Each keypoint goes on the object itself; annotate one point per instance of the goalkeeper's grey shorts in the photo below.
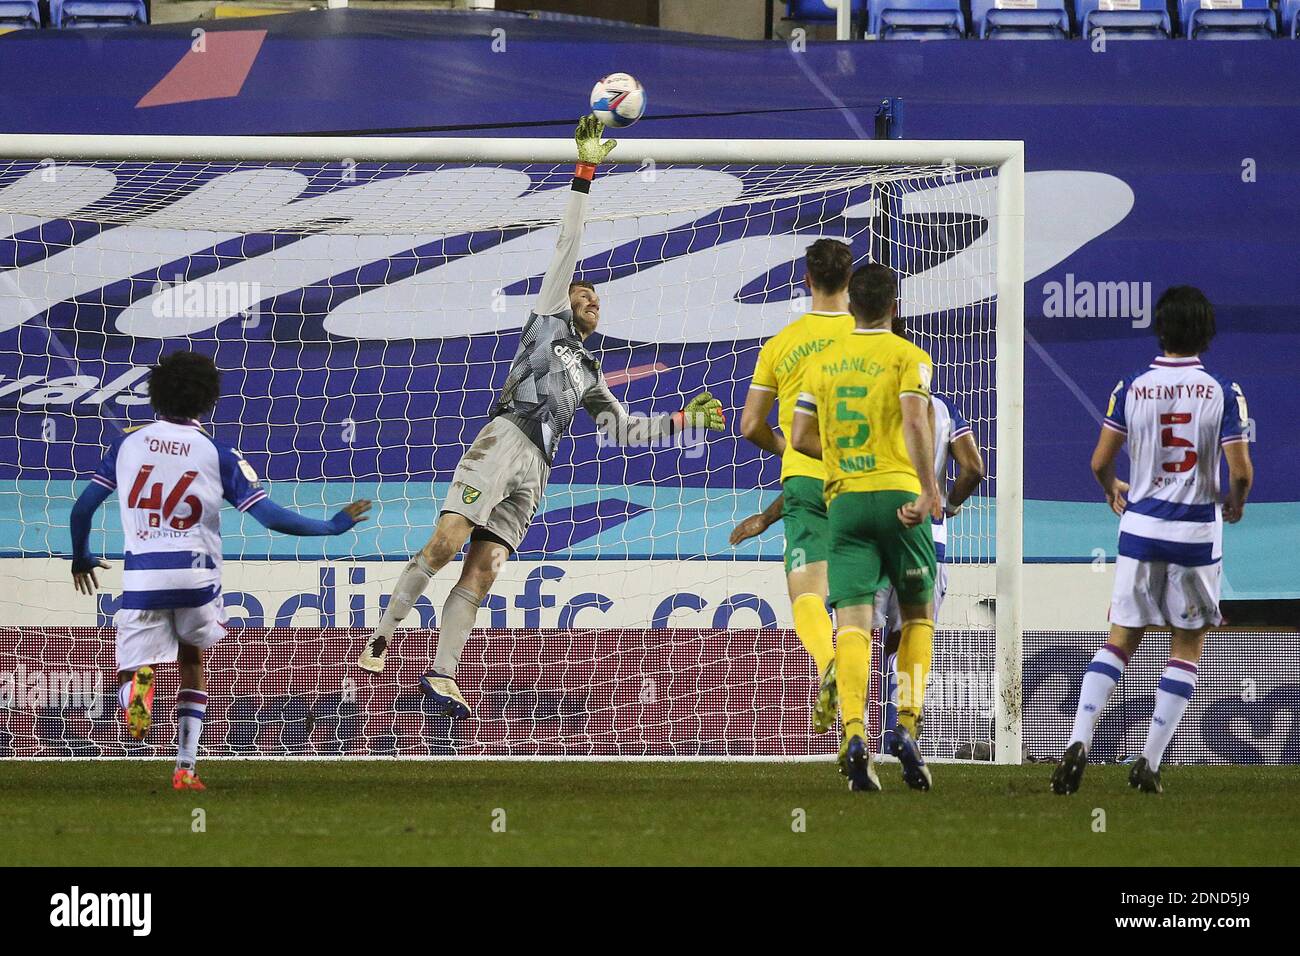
(499, 483)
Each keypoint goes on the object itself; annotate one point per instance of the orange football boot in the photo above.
(185, 779)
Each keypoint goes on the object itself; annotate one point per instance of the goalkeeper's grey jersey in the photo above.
(553, 373)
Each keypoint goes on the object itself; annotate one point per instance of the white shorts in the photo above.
(887, 617)
(1155, 594)
(154, 637)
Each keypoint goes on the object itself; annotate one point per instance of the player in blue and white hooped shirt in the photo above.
(954, 441)
(1177, 418)
(172, 478)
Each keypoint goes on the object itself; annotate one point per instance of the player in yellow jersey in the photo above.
(864, 410)
(777, 377)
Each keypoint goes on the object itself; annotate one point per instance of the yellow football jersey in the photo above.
(853, 387)
(780, 369)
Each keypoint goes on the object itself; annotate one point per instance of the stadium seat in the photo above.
(1020, 19)
(20, 14)
(1291, 18)
(1125, 19)
(97, 13)
(1228, 19)
(917, 19)
(817, 10)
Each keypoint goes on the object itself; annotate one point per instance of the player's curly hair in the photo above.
(829, 263)
(1184, 320)
(184, 385)
(872, 290)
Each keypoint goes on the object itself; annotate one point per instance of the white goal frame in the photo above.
(1006, 155)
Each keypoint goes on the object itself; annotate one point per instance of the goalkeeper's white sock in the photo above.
(1173, 694)
(457, 621)
(1103, 674)
(415, 578)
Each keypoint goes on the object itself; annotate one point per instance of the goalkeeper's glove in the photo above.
(703, 411)
(591, 151)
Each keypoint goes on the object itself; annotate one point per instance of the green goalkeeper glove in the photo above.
(703, 411)
(590, 149)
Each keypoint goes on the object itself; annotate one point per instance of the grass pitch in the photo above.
(443, 813)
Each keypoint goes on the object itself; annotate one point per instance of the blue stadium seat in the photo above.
(1291, 18)
(1020, 19)
(814, 10)
(917, 19)
(1218, 20)
(97, 13)
(1125, 19)
(20, 14)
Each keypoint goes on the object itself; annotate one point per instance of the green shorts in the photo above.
(804, 517)
(870, 550)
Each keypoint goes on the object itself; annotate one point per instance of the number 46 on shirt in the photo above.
(165, 506)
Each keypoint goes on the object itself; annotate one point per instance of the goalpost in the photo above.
(363, 298)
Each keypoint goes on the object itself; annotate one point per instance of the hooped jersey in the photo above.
(780, 369)
(949, 425)
(171, 479)
(1176, 417)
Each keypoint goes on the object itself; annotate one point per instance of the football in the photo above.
(618, 100)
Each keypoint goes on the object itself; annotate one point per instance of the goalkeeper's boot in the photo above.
(186, 779)
(915, 773)
(1143, 778)
(828, 702)
(1069, 772)
(372, 658)
(444, 693)
(139, 706)
(842, 761)
(859, 767)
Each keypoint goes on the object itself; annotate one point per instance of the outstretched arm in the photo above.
(621, 427)
(756, 524)
(84, 564)
(554, 295)
(276, 518)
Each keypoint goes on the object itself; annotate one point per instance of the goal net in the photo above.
(363, 300)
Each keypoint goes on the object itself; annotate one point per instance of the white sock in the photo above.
(124, 695)
(1100, 679)
(415, 578)
(191, 707)
(1173, 694)
(453, 629)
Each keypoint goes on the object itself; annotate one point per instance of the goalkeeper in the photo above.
(497, 487)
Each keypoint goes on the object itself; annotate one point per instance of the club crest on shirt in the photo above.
(470, 495)
(249, 473)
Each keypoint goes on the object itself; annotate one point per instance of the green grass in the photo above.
(441, 813)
